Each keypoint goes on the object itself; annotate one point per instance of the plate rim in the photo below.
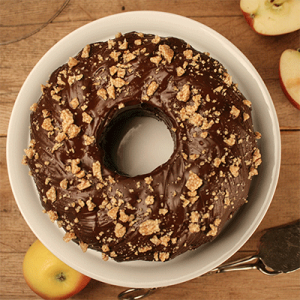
(264, 91)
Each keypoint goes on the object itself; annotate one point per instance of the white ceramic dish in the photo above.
(240, 228)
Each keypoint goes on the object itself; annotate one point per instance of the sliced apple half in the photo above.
(289, 74)
(272, 17)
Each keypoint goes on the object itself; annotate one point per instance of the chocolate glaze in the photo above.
(109, 215)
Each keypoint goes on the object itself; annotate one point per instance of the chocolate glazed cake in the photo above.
(180, 205)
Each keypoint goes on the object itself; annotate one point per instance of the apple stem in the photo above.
(61, 277)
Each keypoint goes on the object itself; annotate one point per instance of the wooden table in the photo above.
(20, 18)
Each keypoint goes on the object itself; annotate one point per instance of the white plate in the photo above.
(188, 265)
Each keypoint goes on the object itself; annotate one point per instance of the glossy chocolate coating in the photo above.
(154, 216)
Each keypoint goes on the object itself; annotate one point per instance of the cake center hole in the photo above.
(143, 144)
(136, 141)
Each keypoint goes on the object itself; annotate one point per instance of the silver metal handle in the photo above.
(135, 294)
(248, 263)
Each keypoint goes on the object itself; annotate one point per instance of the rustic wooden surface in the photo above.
(19, 18)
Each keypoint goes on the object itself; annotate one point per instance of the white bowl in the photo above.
(239, 229)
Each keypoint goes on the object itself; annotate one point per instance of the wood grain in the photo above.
(18, 18)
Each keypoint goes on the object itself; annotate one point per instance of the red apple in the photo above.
(272, 17)
(48, 276)
(289, 74)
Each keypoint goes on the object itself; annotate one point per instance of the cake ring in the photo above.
(180, 205)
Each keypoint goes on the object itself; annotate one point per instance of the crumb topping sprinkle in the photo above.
(176, 208)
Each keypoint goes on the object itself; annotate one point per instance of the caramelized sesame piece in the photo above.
(184, 93)
(149, 227)
(194, 182)
(86, 51)
(72, 62)
(120, 230)
(51, 194)
(166, 52)
(152, 88)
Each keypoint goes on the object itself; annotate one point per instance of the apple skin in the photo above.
(249, 19)
(289, 72)
(296, 104)
(271, 17)
(49, 277)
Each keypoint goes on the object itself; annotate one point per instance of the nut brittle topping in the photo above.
(181, 204)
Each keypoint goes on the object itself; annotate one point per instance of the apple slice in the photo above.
(272, 17)
(289, 74)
